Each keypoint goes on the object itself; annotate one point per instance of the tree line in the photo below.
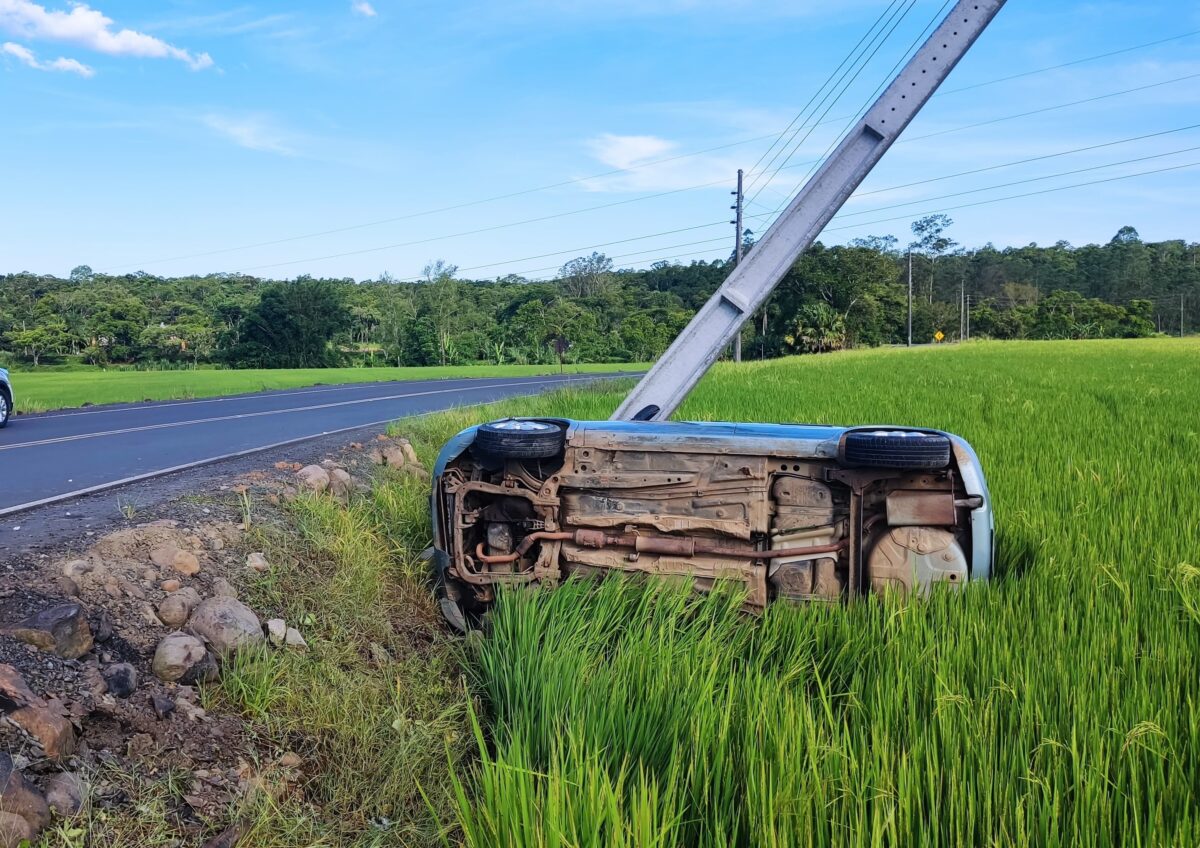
(833, 297)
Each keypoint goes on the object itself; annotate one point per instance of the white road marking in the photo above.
(172, 424)
(268, 394)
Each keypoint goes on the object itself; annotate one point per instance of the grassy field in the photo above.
(1059, 705)
(37, 392)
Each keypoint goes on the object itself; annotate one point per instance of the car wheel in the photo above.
(895, 449)
(520, 439)
(5, 407)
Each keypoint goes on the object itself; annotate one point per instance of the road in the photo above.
(50, 456)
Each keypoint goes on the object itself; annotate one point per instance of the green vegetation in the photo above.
(61, 389)
(834, 297)
(1059, 705)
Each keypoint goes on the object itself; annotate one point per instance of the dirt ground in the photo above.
(100, 553)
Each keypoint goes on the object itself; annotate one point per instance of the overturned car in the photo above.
(789, 512)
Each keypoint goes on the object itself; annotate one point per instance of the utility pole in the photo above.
(968, 317)
(910, 297)
(1181, 315)
(962, 308)
(737, 254)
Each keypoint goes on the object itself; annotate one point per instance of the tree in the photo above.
(291, 327)
(443, 304)
(82, 274)
(45, 337)
(930, 240)
(586, 276)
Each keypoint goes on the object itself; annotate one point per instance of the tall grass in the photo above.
(1057, 706)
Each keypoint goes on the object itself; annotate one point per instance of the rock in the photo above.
(223, 589)
(62, 629)
(276, 631)
(177, 655)
(417, 472)
(293, 639)
(67, 586)
(172, 556)
(410, 455)
(149, 575)
(228, 838)
(192, 711)
(48, 728)
(121, 679)
(392, 455)
(14, 831)
(227, 624)
(314, 478)
(65, 794)
(171, 585)
(186, 563)
(175, 609)
(163, 706)
(101, 624)
(290, 760)
(341, 484)
(14, 691)
(164, 556)
(76, 569)
(21, 799)
(258, 562)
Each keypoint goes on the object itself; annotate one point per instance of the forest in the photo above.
(834, 297)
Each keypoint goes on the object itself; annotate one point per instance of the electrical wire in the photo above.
(613, 172)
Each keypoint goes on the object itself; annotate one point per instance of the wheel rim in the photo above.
(3, 407)
(522, 426)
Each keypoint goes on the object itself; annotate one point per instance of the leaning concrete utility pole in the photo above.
(737, 256)
(747, 287)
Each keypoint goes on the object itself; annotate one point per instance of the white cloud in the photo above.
(27, 57)
(90, 28)
(362, 7)
(252, 132)
(641, 158)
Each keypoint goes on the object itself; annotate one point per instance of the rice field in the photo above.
(1057, 706)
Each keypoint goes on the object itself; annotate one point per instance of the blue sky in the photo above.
(188, 137)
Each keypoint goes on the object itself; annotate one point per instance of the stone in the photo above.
(227, 624)
(163, 706)
(164, 556)
(175, 609)
(121, 679)
(186, 563)
(290, 760)
(171, 585)
(293, 639)
(67, 586)
(416, 471)
(149, 575)
(76, 569)
(177, 654)
(341, 484)
(410, 455)
(48, 728)
(65, 794)
(258, 562)
(102, 626)
(222, 588)
(20, 798)
(14, 691)
(393, 455)
(63, 629)
(193, 712)
(14, 831)
(276, 631)
(314, 478)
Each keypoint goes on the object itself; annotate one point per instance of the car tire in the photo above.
(515, 438)
(895, 449)
(5, 408)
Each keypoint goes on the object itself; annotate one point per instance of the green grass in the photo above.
(37, 392)
(1057, 706)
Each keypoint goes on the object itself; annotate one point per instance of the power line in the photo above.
(554, 216)
(1055, 189)
(584, 248)
(630, 169)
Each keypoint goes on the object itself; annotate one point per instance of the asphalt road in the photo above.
(46, 457)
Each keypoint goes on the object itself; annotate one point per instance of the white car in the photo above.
(6, 398)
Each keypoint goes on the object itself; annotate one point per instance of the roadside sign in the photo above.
(939, 335)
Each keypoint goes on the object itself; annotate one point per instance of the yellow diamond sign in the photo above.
(939, 335)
